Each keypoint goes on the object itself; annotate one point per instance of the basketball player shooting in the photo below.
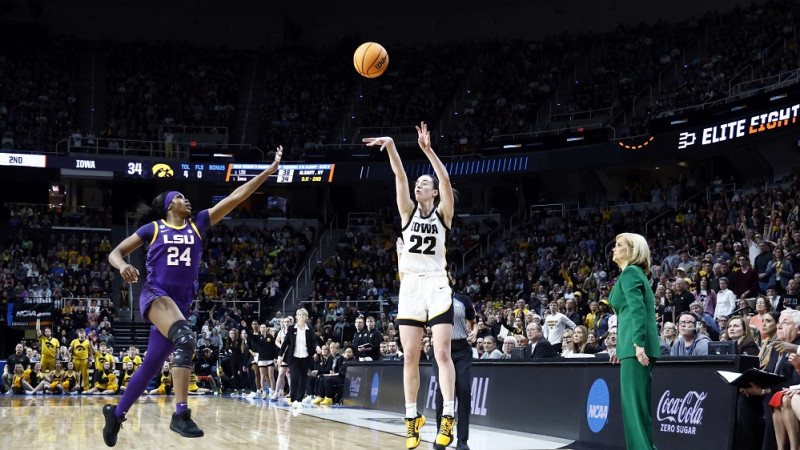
(425, 294)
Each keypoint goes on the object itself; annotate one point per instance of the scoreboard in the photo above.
(211, 172)
(287, 173)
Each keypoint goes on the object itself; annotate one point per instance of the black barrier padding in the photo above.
(693, 408)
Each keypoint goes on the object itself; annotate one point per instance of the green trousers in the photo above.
(635, 381)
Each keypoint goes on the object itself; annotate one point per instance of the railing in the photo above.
(59, 303)
(623, 208)
(149, 149)
(557, 207)
(362, 219)
(662, 72)
(771, 82)
(648, 88)
(255, 302)
(192, 129)
(739, 73)
(786, 79)
(249, 100)
(478, 247)
(305, 273)
(566, 115)
(647, 224)
(710, 190)
(535, 134)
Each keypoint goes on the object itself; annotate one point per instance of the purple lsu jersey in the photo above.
(173, 259)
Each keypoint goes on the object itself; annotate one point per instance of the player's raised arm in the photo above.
(446, 198)
(221, 209)
(404, 204)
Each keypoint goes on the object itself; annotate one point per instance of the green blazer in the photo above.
(633, 300)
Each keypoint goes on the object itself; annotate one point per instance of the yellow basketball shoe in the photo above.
(445, 436)
(412, 430)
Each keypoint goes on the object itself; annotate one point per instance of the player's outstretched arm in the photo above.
(404, 203)
(446, 198)
(240, 194)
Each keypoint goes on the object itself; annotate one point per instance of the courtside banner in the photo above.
(577, 400)
(24, 313)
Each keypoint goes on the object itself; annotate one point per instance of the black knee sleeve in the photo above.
(181, 334)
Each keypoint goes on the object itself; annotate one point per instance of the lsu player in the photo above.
(174, 243)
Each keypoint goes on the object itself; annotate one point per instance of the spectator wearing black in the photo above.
(683, 298)
(367, 341)
(107, 337)
(205, 361)
(745, 279)
(18, 357)
(232, 359)
(298, 350)
(322, 365)
(572, 313)
(762, 261)
(538, 346)
(334, 381)
(791, 298)
(267, 354)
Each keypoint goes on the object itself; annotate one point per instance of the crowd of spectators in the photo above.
(305, 97)
(39, 219)
(38, 98)
(493, 87)
(155, 89)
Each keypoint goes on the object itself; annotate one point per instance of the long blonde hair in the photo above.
(638, 250)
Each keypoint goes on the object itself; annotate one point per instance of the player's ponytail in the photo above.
(150, 213)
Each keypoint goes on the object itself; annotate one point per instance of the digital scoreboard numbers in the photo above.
(182, 171)
(286, 173)
(190, 171)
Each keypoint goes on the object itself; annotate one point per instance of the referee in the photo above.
(461, 352)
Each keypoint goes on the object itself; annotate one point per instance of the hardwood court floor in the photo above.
(68, 422)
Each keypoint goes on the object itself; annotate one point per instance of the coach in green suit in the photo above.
(637, 337)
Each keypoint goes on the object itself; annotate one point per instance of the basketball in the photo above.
(370, 59)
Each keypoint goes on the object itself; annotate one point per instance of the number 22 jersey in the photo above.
(424, 239)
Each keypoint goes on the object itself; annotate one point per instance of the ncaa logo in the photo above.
(373, 392)
(597, 405)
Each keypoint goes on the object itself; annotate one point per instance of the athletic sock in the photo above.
(181, 407)
(411, 410)
(448, 409)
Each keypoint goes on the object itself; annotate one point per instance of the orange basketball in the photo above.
(370, 59)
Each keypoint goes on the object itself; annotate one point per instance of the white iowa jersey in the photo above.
(424, 239)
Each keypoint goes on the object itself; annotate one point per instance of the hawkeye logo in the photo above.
(162, 171)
